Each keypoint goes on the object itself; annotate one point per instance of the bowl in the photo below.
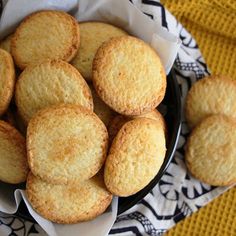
(171, 105)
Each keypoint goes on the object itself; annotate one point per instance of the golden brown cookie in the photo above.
(155, 115)
(66, 144)
(13, 160)
(209, 96)
(118, 121)
(12, 117)
(5, 44)
(45, 35)
(9, 117)
(67, 204)
(210, 153)
(128, 75)
(135, 157)
(7, 80)
(92, 35)
(20, 124)
(50, 83)
(115, 125)
(104, 112)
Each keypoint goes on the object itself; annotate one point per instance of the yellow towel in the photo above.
(213, 24)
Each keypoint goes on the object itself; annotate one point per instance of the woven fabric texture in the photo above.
(218, 218)
(213, 25)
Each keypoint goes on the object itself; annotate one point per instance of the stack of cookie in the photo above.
(211, 147)
(76, 81)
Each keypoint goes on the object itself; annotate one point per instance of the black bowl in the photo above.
(172, 103)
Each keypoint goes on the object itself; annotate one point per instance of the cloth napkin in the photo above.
(178, 194)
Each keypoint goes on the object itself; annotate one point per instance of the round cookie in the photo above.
(45, 35)
(67, 204)
(119, 121)
(92, 35)
(116, 124)
(7, 80)
(209, 96)
(20, 124)
(9, 117)
(135, 157)
(210, 153)
(5, 44)
(66, 144)
(50, 83)
(155, 115)
(13, 160)
(103, 111)
(128, 75)
(12, 117)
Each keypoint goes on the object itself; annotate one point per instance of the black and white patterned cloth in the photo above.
(178, 194)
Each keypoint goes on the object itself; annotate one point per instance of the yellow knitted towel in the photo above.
(213, 24)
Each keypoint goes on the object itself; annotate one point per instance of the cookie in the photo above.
(5, 44)
(135, 157)
(50, 83)
(12, 117)
(7, 80)
(116, 123)
(155, 115)
(209, 96)
(9, 117)
(20, 124)
(128, 75)
(45, 35)
(210, 152)
(13, 160)
(104, 112)
(92, 35)
(66, 144)
(67, 204)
